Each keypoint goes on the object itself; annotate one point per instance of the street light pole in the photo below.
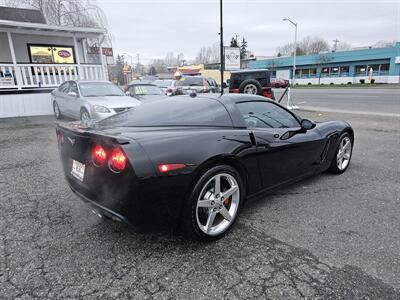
(295, 49)
(222, 58)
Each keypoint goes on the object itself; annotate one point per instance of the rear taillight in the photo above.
(204, 86)
(118, 160)
(99, 155)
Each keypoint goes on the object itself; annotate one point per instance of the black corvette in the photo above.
(191, 163)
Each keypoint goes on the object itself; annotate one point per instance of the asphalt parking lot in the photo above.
(329, 237)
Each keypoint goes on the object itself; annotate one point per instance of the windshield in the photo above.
(173, 112)
(163, 83)
(99, 89)
(190, 81)
(142, 90)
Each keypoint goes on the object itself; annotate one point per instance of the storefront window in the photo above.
(384, 69)
(344, 71)
(361, 70)
(47, 54)
(334, 71)
(325, 72)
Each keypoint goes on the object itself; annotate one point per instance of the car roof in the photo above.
(249, 71)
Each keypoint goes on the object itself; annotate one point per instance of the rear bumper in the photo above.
(102, 209)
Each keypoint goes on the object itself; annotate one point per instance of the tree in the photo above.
(384, 44)
(116, 71)
(322, 60)
(308, 45)
(243, 49)
(152, 70)
(234, 42)
(343, 46)
(79, 13)
(203, 56)
(159, 65)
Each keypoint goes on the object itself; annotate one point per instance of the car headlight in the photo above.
(101, 109)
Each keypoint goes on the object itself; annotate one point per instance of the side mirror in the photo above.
(307, 124)
(73, 94)
(128, 93)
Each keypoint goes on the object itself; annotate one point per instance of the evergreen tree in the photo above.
(243, 49)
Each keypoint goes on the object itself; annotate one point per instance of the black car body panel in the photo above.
(145, 197)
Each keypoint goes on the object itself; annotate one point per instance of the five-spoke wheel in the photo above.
(214, 205)
(342, 157)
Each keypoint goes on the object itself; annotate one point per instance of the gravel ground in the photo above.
(329, 237)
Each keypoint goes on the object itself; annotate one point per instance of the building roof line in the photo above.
(7, 24)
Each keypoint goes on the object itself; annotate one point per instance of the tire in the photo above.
(84, 115)
(250, 86)
(341, 159)
(208, 216)
(57, 111)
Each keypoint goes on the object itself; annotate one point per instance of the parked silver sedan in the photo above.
(90, 100)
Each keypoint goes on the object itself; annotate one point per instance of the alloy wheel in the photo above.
(250, 89)
(85, 116)
(218, 204)
(344, 153)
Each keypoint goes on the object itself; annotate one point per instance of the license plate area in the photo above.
(78, 170)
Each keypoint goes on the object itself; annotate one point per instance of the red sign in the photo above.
(64, 53)
(96, 50)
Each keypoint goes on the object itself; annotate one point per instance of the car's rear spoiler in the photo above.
(81, 129)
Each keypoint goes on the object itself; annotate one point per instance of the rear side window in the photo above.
(266, 115)
(180, 111)
(190, 81)
(64, 87)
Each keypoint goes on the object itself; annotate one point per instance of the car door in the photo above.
(60, 97)
(284, 152)
(72, 102)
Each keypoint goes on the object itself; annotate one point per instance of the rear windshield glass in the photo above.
(190, 81)
(173, 112)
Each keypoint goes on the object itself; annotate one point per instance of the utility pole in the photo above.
(336, 41)
(222, 56)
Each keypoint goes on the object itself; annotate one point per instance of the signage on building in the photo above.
(283, 74)
(7, 81)
(232, 58)
(107, 51)
(397, 60)
(127, 69)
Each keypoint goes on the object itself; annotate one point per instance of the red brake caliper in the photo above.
(226, 201)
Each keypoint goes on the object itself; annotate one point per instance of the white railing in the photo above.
(47, 75)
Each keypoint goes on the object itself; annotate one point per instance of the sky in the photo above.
(152, 28)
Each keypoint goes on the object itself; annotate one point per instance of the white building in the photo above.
(36, 57)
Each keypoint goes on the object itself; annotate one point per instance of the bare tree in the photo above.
(321, 61)
(203, 56)
(384, 44)
(343, 46)
(159, 65)
(308, 45)
(80, 13)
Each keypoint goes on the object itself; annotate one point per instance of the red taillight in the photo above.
(170, 167)
(204, 86)
(118, 160)
(99, 155)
